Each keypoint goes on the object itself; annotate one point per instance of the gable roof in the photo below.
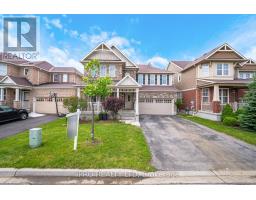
(66, 69)
(102, 48)
(11, 80)
(151, 69)
(127, 81)
(224, 47)
(181, 63)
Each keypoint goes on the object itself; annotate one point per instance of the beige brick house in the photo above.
(25, 84)
(209, 82)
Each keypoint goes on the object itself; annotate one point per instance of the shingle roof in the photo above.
(158, 88)
(21, 81)
(42, 65)
(56, 85)
(181, 63)
(150, 69)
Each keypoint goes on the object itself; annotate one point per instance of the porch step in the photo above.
(127, 115)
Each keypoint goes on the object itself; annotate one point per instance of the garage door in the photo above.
(158, 106)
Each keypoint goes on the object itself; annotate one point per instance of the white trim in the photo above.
(128, 77)
(188, 89)
(6, 77)
(227, 96)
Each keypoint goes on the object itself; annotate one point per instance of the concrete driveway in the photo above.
(178, 144)
(14, 127)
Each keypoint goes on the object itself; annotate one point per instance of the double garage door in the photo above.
(156, 106)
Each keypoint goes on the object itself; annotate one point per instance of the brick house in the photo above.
(25, 84)
(209, 82)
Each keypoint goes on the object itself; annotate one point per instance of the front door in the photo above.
(25, 99)
(128, 101)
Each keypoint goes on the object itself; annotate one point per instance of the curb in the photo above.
(117, 173)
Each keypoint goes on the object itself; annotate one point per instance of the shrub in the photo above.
(73, 103)
(227, 112)
(230, 121)
(178, 104)
(113, 104)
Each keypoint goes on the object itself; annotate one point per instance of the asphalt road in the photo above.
(14, 127)
(178, 144)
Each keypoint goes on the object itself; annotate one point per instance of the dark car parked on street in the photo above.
(7, 113)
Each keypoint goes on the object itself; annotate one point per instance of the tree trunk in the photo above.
(92, 130)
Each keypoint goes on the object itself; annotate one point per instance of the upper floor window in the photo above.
(246, 75)
(205, 95)
(164, 79)
(103, 70)
(140, 79)
(112, 70)
(26, 70)
(222, 69)
(65, 78)
(152, 79)
(3, 69)
(205, 70)
(56, 77)
(179, 77)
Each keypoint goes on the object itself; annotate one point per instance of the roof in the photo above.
(16, 81)
(181, 63)
(42, 65)
(11, 58)
(158, 88)
(233, 82)
(66, 69)
(151, 69)
(56, 85)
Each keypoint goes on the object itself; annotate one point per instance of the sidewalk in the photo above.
(122, 176)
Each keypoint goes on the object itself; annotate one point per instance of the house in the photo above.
(25, 84)
(217, 78)
(144, 88)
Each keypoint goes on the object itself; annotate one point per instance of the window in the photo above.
(222, 69)
(179, 77)
(164, 79)
(3, 69)
(103, 70)
(246, 75)
(152, 80)
(2, 94)
(56, 77)
(205, 95)
(224, 94)
(140, 79)
(65, 78)
(112, 70)
(205, 70)
(26, 70)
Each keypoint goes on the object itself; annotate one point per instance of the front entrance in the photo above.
(25, 99)
(129, 101)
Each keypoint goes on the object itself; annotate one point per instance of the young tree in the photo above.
(95, 86)
(248, 117)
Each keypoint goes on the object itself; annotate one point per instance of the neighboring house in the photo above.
(217, 78)
(144, 88)
(25, 84)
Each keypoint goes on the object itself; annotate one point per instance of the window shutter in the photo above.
(155, 79)
(168, 79)
(137, 79)
(148, 79)
(143, 79)
(161, 81)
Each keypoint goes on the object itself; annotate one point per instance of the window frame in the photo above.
(204, 96)
(63, 78)
(221, 96)
(26, 72)
(152, 77)
(179, 77)
(222, 69)
(59, 78)
(164, 75)
(3, 65)
(113, 67)
(105, 70)
(141, 76)
(3, 95)
(202, 70)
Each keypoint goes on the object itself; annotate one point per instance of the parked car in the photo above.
(7, 113)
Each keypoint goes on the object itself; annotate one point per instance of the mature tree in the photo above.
(95, 86)
(248, 117)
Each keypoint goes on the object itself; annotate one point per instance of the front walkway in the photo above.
(178, 144)
(15, 127)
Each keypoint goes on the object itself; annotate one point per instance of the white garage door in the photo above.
(157, 106)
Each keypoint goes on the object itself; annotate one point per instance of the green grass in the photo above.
(120, 146)
(249, 137)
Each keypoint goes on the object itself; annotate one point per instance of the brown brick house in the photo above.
(23, 82)
(209, 82)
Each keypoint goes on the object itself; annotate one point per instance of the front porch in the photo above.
(15, 97)
(212, 99)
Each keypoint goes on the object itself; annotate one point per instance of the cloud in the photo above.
(49, 23)
(158, 61)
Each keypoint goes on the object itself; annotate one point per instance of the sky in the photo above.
(155, 39)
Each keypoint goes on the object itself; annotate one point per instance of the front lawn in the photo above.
(249, 137)
(120, 146)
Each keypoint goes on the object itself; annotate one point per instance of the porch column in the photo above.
(216, 100)
(137, 102)
(117, 92)
(1, 94)
(78, 92)
(17, 94)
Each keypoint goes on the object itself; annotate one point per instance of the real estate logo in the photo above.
(21, 37)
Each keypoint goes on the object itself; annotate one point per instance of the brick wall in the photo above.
(188, 96)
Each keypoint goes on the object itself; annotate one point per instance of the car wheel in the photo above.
(23, 116)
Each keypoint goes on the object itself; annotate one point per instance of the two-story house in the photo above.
(25, 84)
(209, 82)
(144, 88)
